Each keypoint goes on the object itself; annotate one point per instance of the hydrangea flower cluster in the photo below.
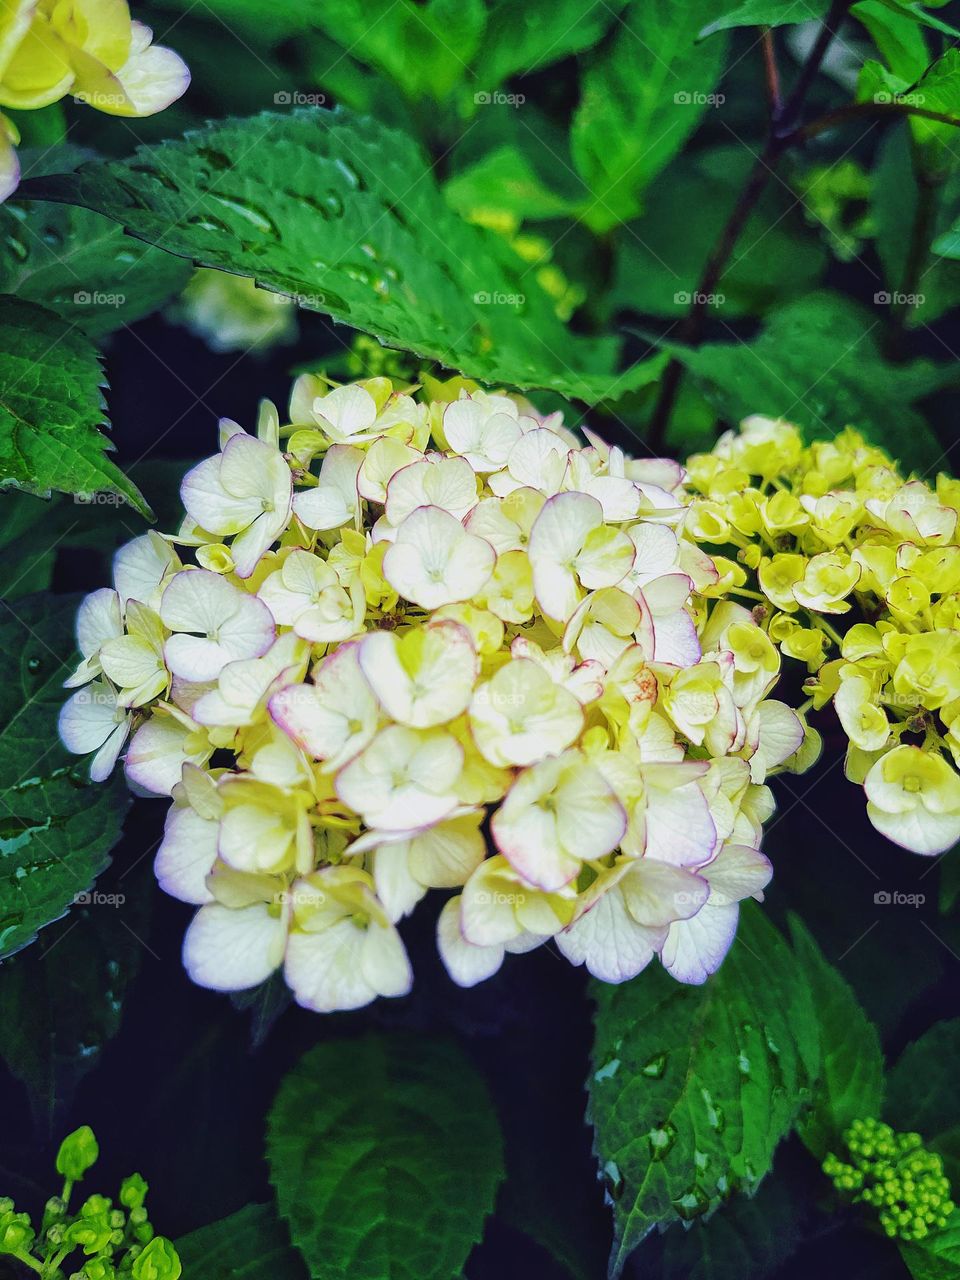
(893, 1173)
(404, 643)
(100, 1240)
(88, 48)
(858, 574)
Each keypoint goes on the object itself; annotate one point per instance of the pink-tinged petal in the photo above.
(609, 941)
(680, 828)
(465, 963)
(675, 639)
(657, 893)
(232, 950)
(737, 872)
(208, 503)
(98, 620)
(696, 948)
(781, 734)
(139, 566)
(103, 763)
(249, 546)
(157, 754)
(88, 718)
(186, 856)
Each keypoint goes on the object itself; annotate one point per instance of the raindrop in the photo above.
(351, 174)
(206, 223)
(612, 1179)
(608, 1070)
(34, 663)
(256, 216)
(692, 1203)
(156, 174)
(661, 1140)
(743, 1064)
(655, 1067)
(18, 248)
(701, 1160)
(715, 1116)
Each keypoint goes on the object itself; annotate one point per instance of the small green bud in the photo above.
(99, 1269)
(159, 1261)
(78, 1152)
(95, 1205)
(16, 1233)
(133, 1192)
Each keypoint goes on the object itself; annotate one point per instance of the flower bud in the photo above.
(78, 1152)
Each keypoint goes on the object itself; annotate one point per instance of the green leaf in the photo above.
(817, 362)
(894, 206)
(949, 881)
(61, 1003)
(281, 197)
(56, 828)
(526, 37)
(385, 1154)
(641, 99)
(693, 1087)
(268, 24)
(921, 1087)
(851, 1079)
(51, 407)
(767, 13)
(423, 48)
(920, 15)
(657, 270)
(937, 1257)
(746, 1238)
(504, 180)
(82, 266)
(897, 36)
(249, 1245)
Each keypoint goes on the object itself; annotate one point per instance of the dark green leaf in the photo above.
(525, 37)
(51, 407)
(281, 197)
(817, 362)
(385, 1154)
(949, 880)
(895, 203)
(897, 36)
(748, 1237)
(505, 181)
(767, 13)
(657, 270)
(82, 266)
(641, 99)
(61, 1002)
(921, 1088)
(56, 828)
(851, 1070)
(693, 1087)
(251, 1244)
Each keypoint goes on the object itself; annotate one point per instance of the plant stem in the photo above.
(783, 134)
(772, 72)
(868, 110)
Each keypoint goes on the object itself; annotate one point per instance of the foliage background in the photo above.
(627, 186)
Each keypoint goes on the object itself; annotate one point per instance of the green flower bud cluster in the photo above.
(99, 1241)
(894, 1174)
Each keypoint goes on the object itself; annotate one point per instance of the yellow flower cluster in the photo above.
(89, 48)
(856, 572)
(435, 643)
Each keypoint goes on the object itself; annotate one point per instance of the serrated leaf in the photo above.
(641, 98)
(56, 828)
(385, 1154)
(851, 1060)
(249, 1245)
(345, 215)
(921, 1087)
(693, 1087)
(817, 362)
(61, 1003)
(51, 408)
